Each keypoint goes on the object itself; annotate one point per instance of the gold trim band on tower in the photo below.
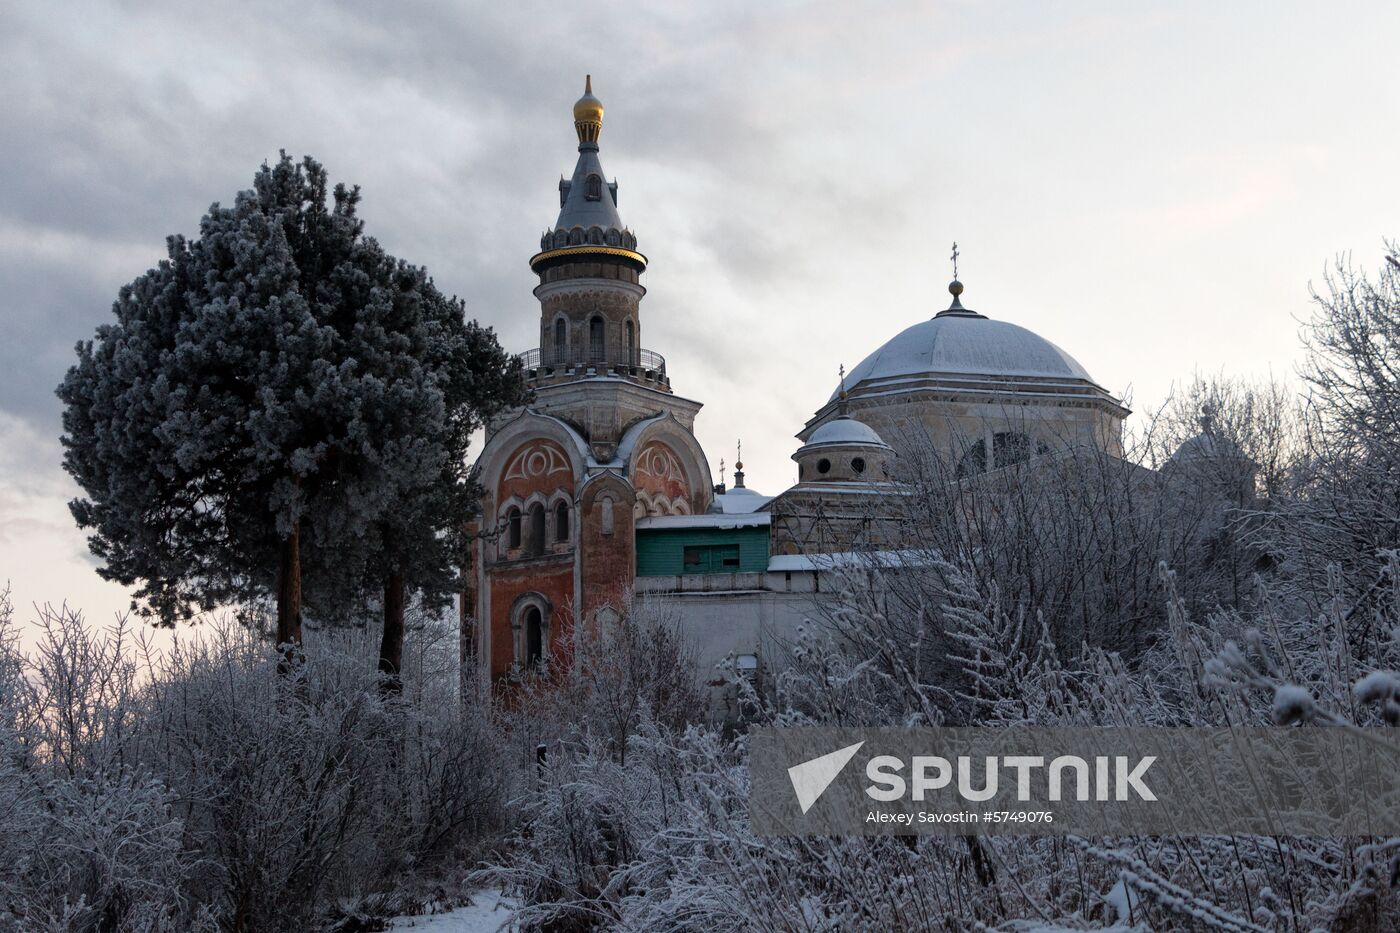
(580, 250)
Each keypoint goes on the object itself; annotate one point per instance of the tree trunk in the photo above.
(391, 645)
(289, 596)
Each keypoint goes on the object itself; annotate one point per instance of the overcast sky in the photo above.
(1150, 186)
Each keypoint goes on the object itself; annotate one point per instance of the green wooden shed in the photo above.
(674, 545)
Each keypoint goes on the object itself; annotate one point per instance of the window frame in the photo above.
(711, 558)
(514, 528)
(597, 339)
(536, 539)
(561, 340)
(561, 522)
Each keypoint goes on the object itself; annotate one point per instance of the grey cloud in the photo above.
(757, 146)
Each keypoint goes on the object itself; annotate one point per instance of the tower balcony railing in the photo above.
(646, 365)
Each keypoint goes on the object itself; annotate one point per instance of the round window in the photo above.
(823, 465)
(858, 464)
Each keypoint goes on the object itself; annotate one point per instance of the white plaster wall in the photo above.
(720, 625)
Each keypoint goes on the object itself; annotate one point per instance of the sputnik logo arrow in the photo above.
(811, 778)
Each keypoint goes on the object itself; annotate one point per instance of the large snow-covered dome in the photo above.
(966, 344)
(960, 379)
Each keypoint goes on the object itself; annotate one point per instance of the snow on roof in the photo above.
(741, 501)
(1208, 445)
(848, 559)
(709, 520)
(957, 344)
(851, 488)
(581, 445)
(845, 431)
(628, 441)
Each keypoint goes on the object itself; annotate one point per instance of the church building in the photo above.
(598, 491)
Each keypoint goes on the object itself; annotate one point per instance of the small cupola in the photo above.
(1212, 458)
(843, 450)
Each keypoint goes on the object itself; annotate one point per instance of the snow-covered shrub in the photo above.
(110, 856)
(92, 841)
(202, 789)
(576, 731)
(630, 666)
(658, 838)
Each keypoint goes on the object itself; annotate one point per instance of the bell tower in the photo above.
(604, 444)
(590, 291)
(590, 296)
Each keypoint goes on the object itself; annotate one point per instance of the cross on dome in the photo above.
(1207, 419)
(955, 288)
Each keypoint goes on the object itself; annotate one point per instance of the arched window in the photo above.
(1010, 447)
(606, 519)
(513, 528)
(631, 344)
(595, 340)
(974, 461)
(561, 341)
(594, 189)
(536, 541)
(534, 638)
(561, 521)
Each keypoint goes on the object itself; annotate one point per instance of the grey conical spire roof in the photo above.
(576, 208)
(582, 204)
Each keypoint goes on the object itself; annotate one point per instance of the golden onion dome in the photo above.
(588, 114)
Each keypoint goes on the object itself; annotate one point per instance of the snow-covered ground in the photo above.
(488, 912)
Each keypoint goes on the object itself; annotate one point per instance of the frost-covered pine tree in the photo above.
(418, 546)
(267, 394)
